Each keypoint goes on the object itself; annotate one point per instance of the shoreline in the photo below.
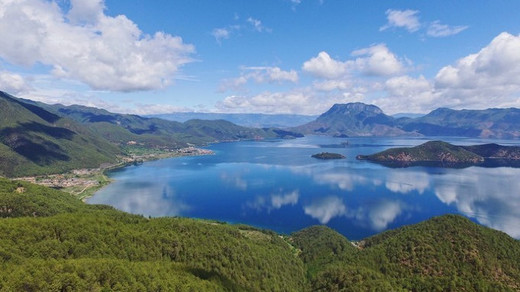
(83, 183)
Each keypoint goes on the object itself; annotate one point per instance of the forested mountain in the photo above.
(51, 241)
(154, 132)
(36, 141)
(358, 119)
(246, 120)
(37, 138)
(444, 154)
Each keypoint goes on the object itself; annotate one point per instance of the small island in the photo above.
(439, 153)
(328, 155)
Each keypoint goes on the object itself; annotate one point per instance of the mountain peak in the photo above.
(353, 108)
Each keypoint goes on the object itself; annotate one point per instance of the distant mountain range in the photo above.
(358, 119)
(38, 138)
(246, 120)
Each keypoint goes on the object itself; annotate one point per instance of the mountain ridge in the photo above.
(359, 119)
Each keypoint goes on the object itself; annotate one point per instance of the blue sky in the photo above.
(269, 56)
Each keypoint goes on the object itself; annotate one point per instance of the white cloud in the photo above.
(259, 75)
(257, 25)
(324, 66)
(298, 101)
(13, 83)
(437, 29)
(408, 94)
(487, 78)
(407, 19)
(107, 53)
(326, 208)
(86, 11)
(221, 34)
(377, 60)
(329, 85)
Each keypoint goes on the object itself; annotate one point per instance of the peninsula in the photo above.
(447, 155)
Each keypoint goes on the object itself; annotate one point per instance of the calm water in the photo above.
(277, 185)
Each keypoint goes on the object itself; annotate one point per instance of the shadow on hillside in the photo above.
(40, 112)
(32, 147)
(55, 132)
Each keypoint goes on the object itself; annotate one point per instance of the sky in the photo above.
(262, 56)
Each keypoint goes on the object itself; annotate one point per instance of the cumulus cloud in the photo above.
(259, 75)
(13, 83)
(408, 94)
(489, 77)
(104, 52)
(377, 60)
(324, 66)
(85, 11)
(326, 208)
(297, 101)
(437, 29)
(407, 19)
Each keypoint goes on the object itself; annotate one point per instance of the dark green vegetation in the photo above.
(50, 241)
(36, 141)
(328, 155)
(445, 154)
(37, 138)
(158, 133)
(447, 253)
(358, 119)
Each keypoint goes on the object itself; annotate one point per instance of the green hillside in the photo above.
(35, 141)
(429, 152)
(439, 153)
(49, 241)
(447, 253)
(159, 133)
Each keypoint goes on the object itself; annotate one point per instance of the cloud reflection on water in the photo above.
(274, 201)
(142, 198)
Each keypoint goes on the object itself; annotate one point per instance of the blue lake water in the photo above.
(279, 186)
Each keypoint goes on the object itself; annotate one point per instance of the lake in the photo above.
(279, 186)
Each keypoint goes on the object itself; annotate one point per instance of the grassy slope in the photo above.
(34, 141)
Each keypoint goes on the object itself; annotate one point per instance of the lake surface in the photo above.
(279, 186)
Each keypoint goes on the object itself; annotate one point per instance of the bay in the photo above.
(279, 186)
